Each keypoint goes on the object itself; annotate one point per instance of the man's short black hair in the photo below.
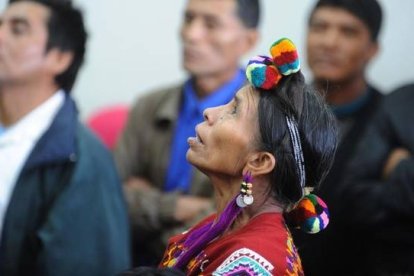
(249, 12)
(66, 32)
(369, 11)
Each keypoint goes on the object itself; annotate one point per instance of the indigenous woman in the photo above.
(262, 152)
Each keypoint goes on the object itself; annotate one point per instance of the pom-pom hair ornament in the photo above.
(311, 214)
(261, 72)
(285, 56)
(265, 72)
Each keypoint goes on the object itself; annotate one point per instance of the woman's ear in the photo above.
(260, 163)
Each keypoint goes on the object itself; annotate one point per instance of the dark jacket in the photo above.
(382, 210)
(66, 215)
(331, 252)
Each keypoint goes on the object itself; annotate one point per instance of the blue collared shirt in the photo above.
(2, 129)
(179, 171)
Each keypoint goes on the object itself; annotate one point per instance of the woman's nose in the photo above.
(206, 114)
(210, 114)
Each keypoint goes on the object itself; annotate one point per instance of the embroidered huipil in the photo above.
(262, 247)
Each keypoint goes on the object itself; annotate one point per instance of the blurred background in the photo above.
(134, 46)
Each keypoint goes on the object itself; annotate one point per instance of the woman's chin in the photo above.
(194, 160)
(191, 157)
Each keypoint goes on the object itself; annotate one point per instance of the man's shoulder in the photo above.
(89, 144)
(91, 151)
(398, 105)
(376, 94)
(163, 103)
(401, 94)
(161, 94)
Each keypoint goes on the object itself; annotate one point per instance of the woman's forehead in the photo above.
(248, 95)
(247, 92)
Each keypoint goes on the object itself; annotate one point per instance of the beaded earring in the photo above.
(245, 197)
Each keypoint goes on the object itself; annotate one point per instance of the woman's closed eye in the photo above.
(234, 109)
(234, 105)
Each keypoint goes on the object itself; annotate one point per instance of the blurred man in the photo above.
(61, 205)
(380, 192)
(342, 39)
(164, 193)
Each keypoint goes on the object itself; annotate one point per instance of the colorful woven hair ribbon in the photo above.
(265, 72)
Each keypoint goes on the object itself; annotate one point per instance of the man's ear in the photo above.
(372, 51)
(250, 40)
(59, 61)
(261, 163)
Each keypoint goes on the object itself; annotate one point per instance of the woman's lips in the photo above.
(195, 140)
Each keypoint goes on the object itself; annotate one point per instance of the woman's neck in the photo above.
(225, 191)
(250, 212)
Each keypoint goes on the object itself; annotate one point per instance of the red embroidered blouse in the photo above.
(264, 246)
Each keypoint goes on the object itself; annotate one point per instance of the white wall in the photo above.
(134, 45)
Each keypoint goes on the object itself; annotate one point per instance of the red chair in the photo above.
(108, 122)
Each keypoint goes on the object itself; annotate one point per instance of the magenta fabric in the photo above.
(108, 123)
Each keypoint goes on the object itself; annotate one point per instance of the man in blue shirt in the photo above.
(165, 194)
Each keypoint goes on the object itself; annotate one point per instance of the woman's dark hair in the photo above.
(317, 130)
(66, 32)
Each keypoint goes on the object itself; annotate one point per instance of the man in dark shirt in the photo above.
(342, 39)
(380, 192)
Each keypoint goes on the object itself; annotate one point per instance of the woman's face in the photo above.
(227, 136)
